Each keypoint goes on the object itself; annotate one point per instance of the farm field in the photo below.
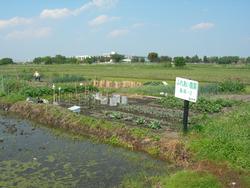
(140, 72)
(219, 123)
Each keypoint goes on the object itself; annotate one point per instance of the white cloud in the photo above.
(15, 22)
(203, 26)
(102, 19)
(118, 33)
(104, 3)
(137, 25)
(64, 12)
(30, 33)
(55, 13)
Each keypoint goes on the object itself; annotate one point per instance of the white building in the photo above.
(82, 57)
(127, 60)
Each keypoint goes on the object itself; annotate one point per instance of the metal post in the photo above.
(185, 116)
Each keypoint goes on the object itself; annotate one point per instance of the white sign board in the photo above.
(186, 89)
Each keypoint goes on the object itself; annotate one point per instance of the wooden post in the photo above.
(185, 116)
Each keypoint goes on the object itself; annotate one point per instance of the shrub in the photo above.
(68, 78)
(13, 85)
(167, 64)
(2, 93)
(30, 91)
(209, 89)
(231, 86)
(170, 102)
(179, 61)
(202, 105)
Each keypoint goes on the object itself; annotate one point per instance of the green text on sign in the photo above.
(186, 89)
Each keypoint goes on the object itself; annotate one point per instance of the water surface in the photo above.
(32, 155)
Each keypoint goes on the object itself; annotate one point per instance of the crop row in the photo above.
(136, 120)
(152, 111)
(202, 105)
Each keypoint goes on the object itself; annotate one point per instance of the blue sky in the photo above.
(134, 27)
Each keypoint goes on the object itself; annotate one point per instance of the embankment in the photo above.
(134, 138)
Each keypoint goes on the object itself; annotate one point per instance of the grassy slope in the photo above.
(202, 73)
(181, 179)
(225, 138)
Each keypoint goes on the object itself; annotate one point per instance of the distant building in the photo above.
(127, 60)
(82, 57)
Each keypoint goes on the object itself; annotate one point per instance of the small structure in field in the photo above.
(76, 109)
(104, 100)
(112, 101)
(117, 98)
(124, 100)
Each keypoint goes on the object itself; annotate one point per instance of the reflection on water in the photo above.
(35, 156)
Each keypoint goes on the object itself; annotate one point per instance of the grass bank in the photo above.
(140, 139)
(224, 138)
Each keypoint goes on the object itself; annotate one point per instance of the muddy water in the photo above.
(35, 156)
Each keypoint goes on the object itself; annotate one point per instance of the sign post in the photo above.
(185, 116)
(188, 91)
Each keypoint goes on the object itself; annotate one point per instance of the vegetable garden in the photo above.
(152, 118)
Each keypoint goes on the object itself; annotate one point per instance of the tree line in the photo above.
(152, 57)
(59, 59)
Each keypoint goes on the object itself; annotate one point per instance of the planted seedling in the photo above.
(115, 115)
(140, 121)
(154, 124)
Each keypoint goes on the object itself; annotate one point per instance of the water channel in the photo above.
(32, 155)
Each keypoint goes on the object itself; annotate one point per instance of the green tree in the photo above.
(188, 59)
(248, 60)
(135, 59)
(228, 59)
(59, 59)
(153, 57)
(47, 60)
(117, 57)
(88, 60)
(165, 59)
(195, 59)
(38, 60)
(179, 61)
(213, 59)
(142, 59)
(6, 61)
(205, 59)
(71, 60)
